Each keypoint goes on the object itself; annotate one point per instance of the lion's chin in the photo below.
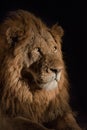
(49, 86)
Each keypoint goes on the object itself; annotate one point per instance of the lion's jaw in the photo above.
(49, 82)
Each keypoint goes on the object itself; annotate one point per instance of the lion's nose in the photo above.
(57, 73)
(56, 70)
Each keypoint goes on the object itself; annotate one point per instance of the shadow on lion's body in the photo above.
(30, 54)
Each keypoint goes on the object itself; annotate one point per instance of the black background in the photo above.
(72, 17)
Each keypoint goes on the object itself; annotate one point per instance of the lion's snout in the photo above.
(56, 70)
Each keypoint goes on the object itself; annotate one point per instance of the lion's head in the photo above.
(31, 64)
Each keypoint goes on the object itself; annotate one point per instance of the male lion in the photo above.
(33, 79)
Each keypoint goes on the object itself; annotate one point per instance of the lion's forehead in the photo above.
(44, 41)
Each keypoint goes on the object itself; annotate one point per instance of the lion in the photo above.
(34, 84)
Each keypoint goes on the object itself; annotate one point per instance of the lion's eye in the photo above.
(55, 48)
(37, 49)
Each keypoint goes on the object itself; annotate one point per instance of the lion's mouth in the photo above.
(48, 85)
(38, 84)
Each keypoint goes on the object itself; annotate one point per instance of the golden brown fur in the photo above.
(31, 90)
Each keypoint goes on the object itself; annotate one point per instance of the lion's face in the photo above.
(43, 65)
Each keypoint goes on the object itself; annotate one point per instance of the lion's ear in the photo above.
(58, 30)
(14, 35)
